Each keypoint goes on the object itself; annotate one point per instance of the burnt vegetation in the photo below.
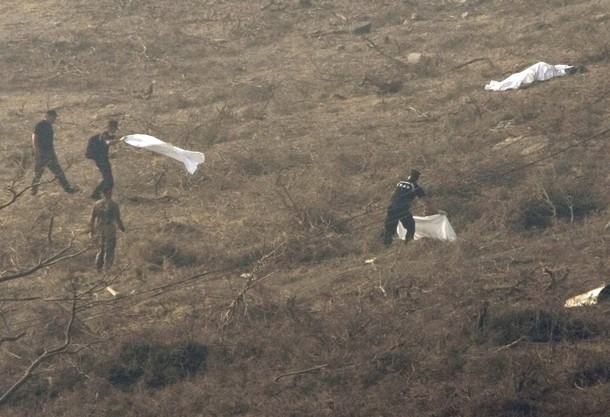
(259, 286)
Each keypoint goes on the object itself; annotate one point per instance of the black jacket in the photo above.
(405, 193)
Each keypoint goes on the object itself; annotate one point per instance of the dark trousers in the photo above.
(396, 214)
(105, 255)
(48, 161)
(107, 179)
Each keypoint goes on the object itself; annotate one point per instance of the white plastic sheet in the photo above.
(190, 159)
(589, 298)
(434, 227)
(540, 71)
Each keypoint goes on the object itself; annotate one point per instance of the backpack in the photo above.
(90, 153)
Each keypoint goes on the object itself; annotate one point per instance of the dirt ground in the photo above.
(308, 112)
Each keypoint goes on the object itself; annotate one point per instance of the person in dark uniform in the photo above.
(97, 150)
(105, 218)
(44, 153)
(399, 208)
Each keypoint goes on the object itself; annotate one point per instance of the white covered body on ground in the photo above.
(540, 71)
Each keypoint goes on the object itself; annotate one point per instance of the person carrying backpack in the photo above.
(399, 208)
(97, 150)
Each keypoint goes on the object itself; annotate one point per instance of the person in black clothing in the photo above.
(97, 150)
(44, 153)
(399, 208)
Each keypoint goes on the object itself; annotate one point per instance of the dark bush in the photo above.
(158, 252)
(594, 369)
(534, 214)
(571, 202)
(158, 365)
(507, 408)
(536, 326)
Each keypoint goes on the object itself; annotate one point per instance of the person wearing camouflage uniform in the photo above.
(105, 218)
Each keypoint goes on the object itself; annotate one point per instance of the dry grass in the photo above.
(242, 290)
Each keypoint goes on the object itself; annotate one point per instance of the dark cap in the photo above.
(113, 124)
(51, 113)
(414, 175)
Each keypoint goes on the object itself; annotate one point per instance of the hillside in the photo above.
(259, 286)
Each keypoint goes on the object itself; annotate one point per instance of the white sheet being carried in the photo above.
(190, 159)
(435, 227)
(540, 71)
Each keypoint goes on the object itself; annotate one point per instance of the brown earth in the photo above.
(258, 259)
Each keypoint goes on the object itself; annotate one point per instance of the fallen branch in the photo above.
(319, 33)
(511, 344)
(304, 371)
(11, 338)
(472, 61)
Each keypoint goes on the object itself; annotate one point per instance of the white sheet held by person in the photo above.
(436, 226)
(190, 159)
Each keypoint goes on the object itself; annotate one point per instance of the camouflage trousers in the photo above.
(105, 254)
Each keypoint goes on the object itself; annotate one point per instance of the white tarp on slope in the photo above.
(190, 159)
(435, 227)
(540, 71)
(589, 298)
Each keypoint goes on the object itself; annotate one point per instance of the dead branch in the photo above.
(274, 6)
(375, 358)
(51, 260)
(11, 338)
(511, 344)
(301, 214)
(554, 280)
(382, 52)
(50, 231)
(304, 371)
(239, 300)
(320, 33)
(15, 194)
(548, 200)
(472, 61)
(64, 348)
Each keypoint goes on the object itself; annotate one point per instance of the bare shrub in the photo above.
(160, 251)
(537, 326)
(303, 252)
(570, 201)
(350, 164)
(593, 368)
(395, 362)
